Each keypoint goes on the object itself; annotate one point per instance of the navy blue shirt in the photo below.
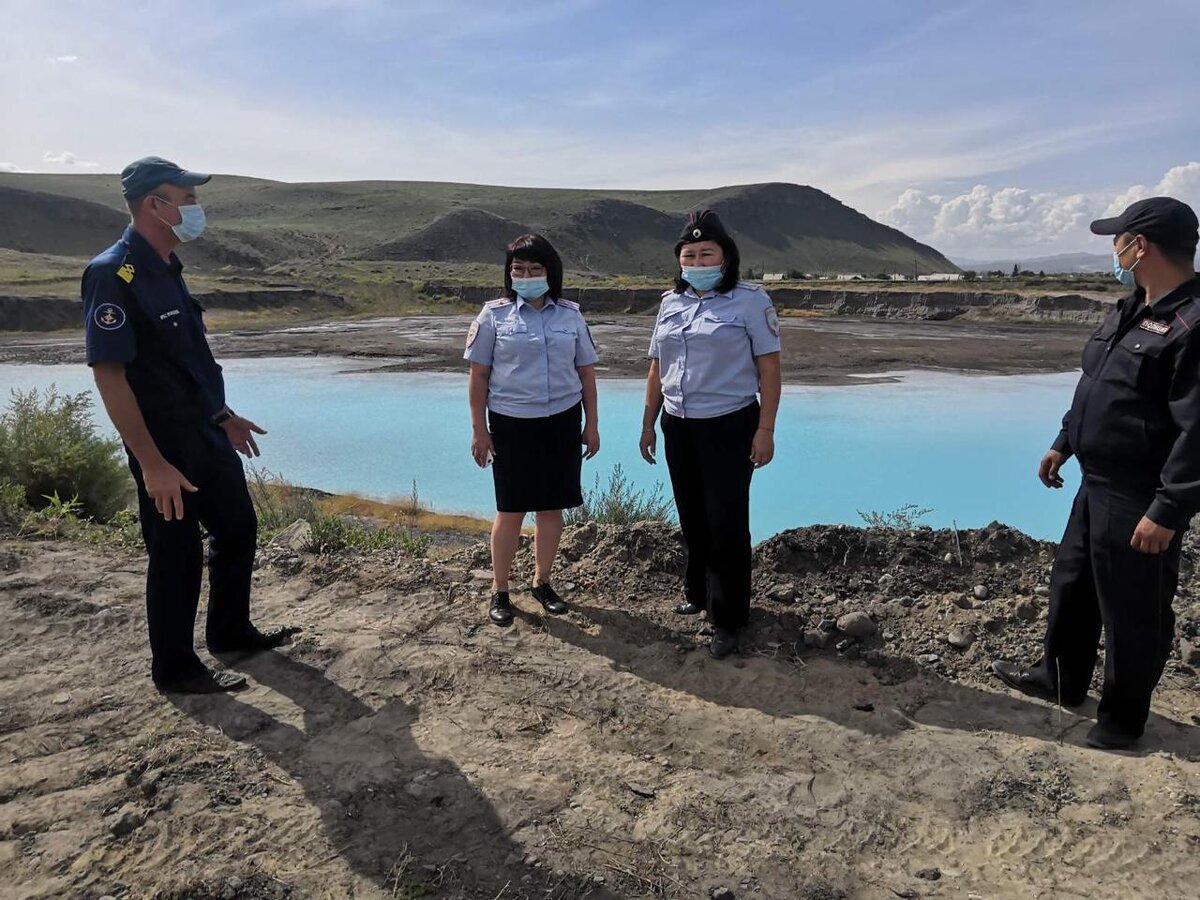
(137, 311)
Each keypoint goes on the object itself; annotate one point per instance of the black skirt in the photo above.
(538, 461)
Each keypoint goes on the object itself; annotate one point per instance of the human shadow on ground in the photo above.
(390, 809)
(634, 642)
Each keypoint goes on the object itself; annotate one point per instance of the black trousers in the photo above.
(709, 462)
(222, 506)
(1100, 583)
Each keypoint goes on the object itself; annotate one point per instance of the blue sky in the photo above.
(984, 128)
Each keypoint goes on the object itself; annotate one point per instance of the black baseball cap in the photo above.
(142, 176)
(1161, 220)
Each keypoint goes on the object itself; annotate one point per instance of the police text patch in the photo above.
(1154, 327)
(109, 316)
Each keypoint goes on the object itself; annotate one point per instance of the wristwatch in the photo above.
(223, 416)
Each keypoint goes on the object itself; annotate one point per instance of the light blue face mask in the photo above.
(191, 223)
(1122, 274)
(531, 288)
(702, 278)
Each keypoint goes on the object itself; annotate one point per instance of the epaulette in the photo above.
(569, 304)
(1189, 315)
(496, 304)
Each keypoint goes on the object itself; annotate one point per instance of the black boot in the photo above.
(544, 594)
(500, 611)
(724, 642)
(1035, 682)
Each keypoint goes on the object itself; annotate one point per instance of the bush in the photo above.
(906, 518)
(12, 503)
(49, 446)
(619, 503)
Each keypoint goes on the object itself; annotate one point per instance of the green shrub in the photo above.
(619, 503)
(906, 518)
(12, 503)
(50, 447)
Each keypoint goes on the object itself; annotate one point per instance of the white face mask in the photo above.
(191, 220)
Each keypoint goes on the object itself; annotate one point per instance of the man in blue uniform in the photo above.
(165, 394)
(1134, 426)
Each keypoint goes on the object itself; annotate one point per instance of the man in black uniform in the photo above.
(1134, 426)
(165, 394)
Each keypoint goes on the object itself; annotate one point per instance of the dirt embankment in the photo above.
(403, 747)
(57, 313)
(932, 305)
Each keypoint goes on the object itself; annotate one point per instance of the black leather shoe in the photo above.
(500, 611)
(1106, 737)
(206, 683)
(1031, 681)
(723, 643)
(688, 608)
(545, 595)
(255, 641)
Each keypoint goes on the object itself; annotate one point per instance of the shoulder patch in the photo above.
(772, 320)
(108, 316)
(472, 334)
(496, 304)
(569, 304)
(125, 273)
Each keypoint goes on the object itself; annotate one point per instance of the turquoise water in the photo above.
(966, 447)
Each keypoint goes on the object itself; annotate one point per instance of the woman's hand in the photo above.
(481, 447)
(762, 450)
(649, 445)
(591, 440)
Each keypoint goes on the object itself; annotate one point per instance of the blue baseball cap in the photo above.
(142, 176)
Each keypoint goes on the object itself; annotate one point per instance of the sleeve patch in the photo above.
(472, 334)
(772, 320)
(109, 316)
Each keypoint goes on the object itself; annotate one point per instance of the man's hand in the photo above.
(165, 485)
(1048, 470)
(591, 440)
(240, 432)
(482, 447)
(1149, 537)
(649, 445)
(762, 448)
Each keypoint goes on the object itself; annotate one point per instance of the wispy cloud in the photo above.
(8, 167)
(67, 158)
(61, 60)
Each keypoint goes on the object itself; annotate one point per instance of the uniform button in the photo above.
(1137, 346)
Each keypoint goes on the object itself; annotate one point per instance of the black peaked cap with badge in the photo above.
(704, 225)
(1161, 220)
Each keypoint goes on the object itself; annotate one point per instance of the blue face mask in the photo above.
(531, 288)
(191, 222)
(1122, 274)
(702, 278)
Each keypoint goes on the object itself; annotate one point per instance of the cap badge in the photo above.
(696, 232)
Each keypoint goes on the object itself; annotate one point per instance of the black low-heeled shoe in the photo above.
(255, 641)
(688, 608)
(500, 612)
(551, 602)
(214, 682)
(724, 642)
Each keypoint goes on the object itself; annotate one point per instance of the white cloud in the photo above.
(8, 167)
(61, 60)
(67, 158)
(1002, 220)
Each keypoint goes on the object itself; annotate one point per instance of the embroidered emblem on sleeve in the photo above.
(109, 316)
(772, 320)
(472, 334)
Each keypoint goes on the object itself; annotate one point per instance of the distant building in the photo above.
(941, 276)
(897, 277)
(773, 276)
(851, 277)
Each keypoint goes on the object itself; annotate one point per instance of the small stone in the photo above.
(888, 636)
(929, 659)
(1189, 652)
(930, 874)
(907, 602)
(828, 625)
(960, 639)
(783, 593)
(948, 558)
(875, 658)
(126, 823)
(641, 790)
(886, 579)
(819, 640)
(962, 601)
(857, 625)
(531, 860)
(1027, 610)
(980, 592)
(829, 599)
(598, 878)
(481, 574)
(150, 782)
(1042, 590)
(721, 893)
(60, 699)
(297, 537)
(844, 645)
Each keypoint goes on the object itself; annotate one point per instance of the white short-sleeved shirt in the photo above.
(706, 348)
(534, 355)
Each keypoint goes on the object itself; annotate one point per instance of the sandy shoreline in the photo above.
(816, 350)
